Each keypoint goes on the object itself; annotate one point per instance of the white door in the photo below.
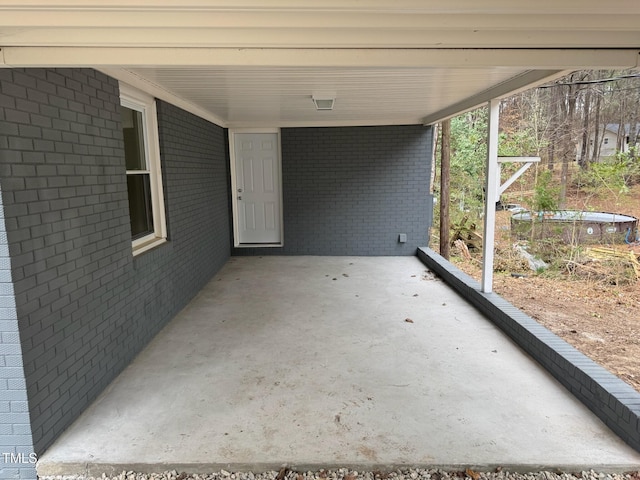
(257, 188)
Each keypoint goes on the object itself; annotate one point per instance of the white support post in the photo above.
(491, 190)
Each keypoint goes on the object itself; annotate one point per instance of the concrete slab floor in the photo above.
(311, 362)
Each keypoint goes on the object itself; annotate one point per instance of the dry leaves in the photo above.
(571, 304)
(473, 474)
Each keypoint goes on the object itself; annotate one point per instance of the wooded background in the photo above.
(563, 123)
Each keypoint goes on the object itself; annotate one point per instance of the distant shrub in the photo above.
(615, 175)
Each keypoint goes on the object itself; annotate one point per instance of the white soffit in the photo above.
(281, 96)
(245, 63)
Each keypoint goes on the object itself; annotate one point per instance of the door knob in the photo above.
(239, 197)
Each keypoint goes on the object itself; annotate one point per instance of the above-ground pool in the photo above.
(576, 227)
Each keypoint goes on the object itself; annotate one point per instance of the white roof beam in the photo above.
(515, 85)
(408, 6)
(526, 59)
(301, 37)
(202, 18)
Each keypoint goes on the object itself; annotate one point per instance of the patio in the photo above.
(317, 362)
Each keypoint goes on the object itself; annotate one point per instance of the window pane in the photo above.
(132, 128)
(140, 205)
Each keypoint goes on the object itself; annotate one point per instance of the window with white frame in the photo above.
(144, 178)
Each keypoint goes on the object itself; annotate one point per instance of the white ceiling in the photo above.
(259, 96)
(249, 63)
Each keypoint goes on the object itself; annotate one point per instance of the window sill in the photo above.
(147, 245)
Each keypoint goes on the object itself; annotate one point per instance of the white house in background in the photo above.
(609, 140)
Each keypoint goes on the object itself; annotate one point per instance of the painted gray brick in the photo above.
(13, 360)
(37, 95)
(27, 106)
(16, 384)
(13, 392)
(13, 89)
(23, 80)
(82, 290)
(10, 472)
(341, 195)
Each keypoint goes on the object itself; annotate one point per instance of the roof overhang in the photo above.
(258, 63)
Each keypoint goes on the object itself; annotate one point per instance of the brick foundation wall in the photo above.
(616, 403)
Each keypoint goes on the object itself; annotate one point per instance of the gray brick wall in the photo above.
(16, 444)
(352, 190)
(616, 403)
(85, 306)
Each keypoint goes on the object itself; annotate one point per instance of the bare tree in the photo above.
(444, 188)
(568, 109)
(586, 127)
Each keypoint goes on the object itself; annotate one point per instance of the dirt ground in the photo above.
(591, 312)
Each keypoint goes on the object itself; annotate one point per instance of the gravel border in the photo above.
(346, 474)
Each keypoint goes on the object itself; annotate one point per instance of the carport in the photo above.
(82, 296)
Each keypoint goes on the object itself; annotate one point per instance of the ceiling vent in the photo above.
(323, 102)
